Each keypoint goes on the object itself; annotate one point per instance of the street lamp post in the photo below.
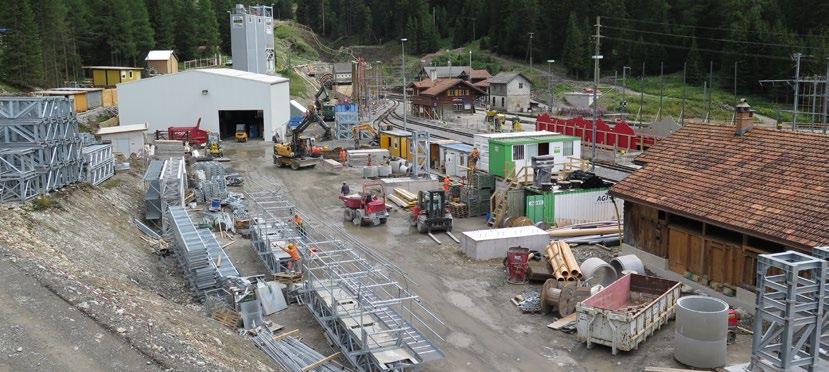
(403, 73)
(550, 82)
(470, 61)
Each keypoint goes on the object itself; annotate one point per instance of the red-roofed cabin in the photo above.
(443, 97)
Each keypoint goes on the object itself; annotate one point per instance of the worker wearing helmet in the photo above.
(292, 250)
(298, 223)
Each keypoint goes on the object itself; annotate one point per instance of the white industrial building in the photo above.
(222, 98)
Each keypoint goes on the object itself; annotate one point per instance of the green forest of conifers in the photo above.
(45, 42)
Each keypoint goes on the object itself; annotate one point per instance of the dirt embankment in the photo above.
(86, 251)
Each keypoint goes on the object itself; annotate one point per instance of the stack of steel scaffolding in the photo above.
(99, 164)
(40, 147)
(165, 185)
(197, 253)
(823, 254)
(292, 354)
(270, 233)
(152, 190)
(791, 288)
(361, 300)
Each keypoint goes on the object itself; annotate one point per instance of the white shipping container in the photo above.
(585, 206)
(481, 141)
(494, 243)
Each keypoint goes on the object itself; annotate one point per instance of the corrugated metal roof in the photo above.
(540, 139)
(262, 78)
(122, 129)
(458, 147)
(397, 132)
(506, 77)
(159, 55)
(111, 68)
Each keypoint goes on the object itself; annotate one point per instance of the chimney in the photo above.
(743, 117)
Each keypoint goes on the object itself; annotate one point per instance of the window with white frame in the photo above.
(568, 148)
(518, 152)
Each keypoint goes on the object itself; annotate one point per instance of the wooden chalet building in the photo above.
(454, 72)
(711, 198)
(434, 99)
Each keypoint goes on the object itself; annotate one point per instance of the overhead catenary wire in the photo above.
(714, 28)
(779, 58)
(709, 38)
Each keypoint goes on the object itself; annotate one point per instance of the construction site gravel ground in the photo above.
(84, 291)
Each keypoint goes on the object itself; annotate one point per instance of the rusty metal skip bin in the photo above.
(626, 312)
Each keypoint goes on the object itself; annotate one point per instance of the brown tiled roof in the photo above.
(479, 74)
(423, 84)
(441, 85)
(767, 183)
(483, 84)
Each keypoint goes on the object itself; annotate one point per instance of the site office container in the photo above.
(481, 141)
(625, 313)
(568, 207)
(507, 154)
(397, 142)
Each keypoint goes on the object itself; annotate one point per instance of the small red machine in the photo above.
(368, 206)
(194, 135)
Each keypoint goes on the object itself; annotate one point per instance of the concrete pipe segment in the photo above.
(701, 331)
(628, 262)
(597, 271)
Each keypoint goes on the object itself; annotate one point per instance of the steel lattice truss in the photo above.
(823, 254)
(361, 300)
(197, 253)
(420, 153)
(99, 164)
(40, 147)
(787, 325)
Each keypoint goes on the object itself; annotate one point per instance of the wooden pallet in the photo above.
(459, 210)
(288, 277)
(228, 318)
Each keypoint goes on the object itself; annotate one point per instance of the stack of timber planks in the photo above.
(403, 198)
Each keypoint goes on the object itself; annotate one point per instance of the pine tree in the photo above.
(696, 71)
(54, 34)
(142, 30)
(22, 61)
(574, 49)
(162, 13)
(186, 30)
(207, 28)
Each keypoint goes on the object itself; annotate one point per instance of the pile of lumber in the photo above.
(563, 262)
(403, 198)
(604, 232)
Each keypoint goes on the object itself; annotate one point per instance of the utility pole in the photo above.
(825, 96)
(710, 88)
(596, 57)
(796, 88)
(641, 94)
(377, 80)
(550, 82)
(403, 74)
(470, 61)
(531, 49)
(661, 89)
(684, 77)
(624, 90)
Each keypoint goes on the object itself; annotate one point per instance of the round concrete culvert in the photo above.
(597, 271)
(701, 331)
(628, 262)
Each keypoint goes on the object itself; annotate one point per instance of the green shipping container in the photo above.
(541, 208)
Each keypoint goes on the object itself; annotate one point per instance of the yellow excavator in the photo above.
(300, 152)
(368, 129)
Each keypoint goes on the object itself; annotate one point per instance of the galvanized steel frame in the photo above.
(787, 325)
(40, 146)
(823, 254)
(420, 153)
(361, 300)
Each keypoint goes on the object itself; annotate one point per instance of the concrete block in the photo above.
(494, 243)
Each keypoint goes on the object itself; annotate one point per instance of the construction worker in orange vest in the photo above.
(446, 183)
(298, 223)
(293, 251)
